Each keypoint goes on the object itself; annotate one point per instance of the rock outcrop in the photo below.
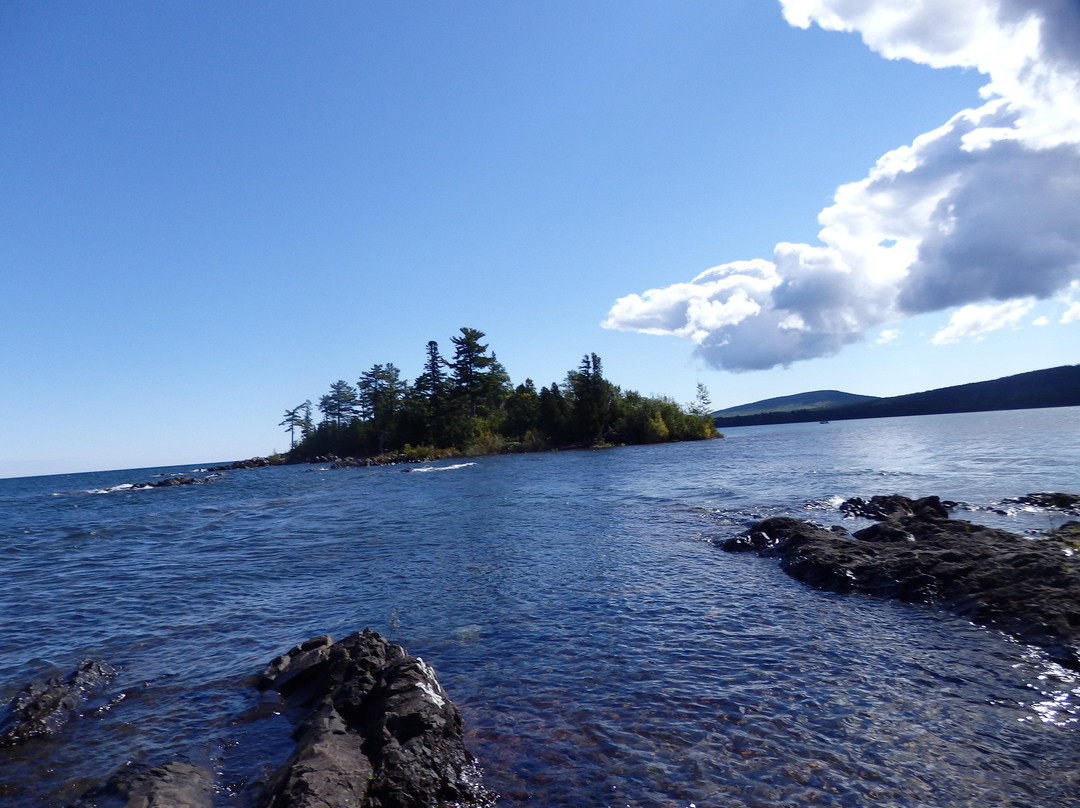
(379, 730)
(1027, 587)
(43, 708)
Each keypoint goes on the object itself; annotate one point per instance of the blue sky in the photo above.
(210, 212)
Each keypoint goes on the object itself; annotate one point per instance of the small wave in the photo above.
(440, 468)
(827, 503)
(114, 488)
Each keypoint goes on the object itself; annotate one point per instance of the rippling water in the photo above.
(603, 651)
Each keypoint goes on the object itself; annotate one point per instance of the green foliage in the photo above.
(469, 369)
(379, 394)
(296, 419)
(522, 411)
(469, 406)
(339, 405)
(594, 400)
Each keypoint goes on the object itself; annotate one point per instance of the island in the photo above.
(468, 406)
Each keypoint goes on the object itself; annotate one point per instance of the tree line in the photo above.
(468, 405)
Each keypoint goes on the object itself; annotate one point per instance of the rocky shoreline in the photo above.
(1026, 587)
(374, 729)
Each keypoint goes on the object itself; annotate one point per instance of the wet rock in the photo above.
(179, 481)
(380, 730)
(43, 708)
(1069, 503)
(1029, 588)
(895, 506)
(171, 481)
(177, 784)
(252, 463)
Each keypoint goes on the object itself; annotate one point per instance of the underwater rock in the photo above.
(1027, 587)
(43, 708)
(177, 784)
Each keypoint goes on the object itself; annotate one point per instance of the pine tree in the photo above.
(339, 405)
(379, 393)
(294, 420)
(469, 368)
(594, 399)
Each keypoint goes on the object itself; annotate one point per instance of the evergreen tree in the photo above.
(554, 415)
(594, 399)
(307, 426)
(379, 394)
(702, 403)
(294, 420)
(522, 411)
(469, 368)
(339, 405)
(432, 384)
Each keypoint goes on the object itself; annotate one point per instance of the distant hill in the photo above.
(1054, 387)
(800, 401)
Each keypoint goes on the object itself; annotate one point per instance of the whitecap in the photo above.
(441, 468)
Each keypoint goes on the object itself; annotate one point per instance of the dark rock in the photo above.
(1069, 503)
(174, 785)
(179, 481)
(252, 463)
(1027, 587)
(171, 481)
(895, 506)
(43, 708)
(771, 536)
(286, 673)
(381, 731)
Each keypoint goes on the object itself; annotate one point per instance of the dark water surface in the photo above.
(603, 651)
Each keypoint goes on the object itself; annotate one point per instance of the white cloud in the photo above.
(974, 321)
(1072, 314)
(887, 336)
(1041, 321)
(984, 208)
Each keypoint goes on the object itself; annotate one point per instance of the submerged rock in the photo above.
(380, 730)
(43, 708)
(177, 784)
(1029, 588)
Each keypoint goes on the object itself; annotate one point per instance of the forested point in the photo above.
(467, 405)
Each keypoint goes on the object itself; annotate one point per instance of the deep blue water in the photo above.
(603, 651)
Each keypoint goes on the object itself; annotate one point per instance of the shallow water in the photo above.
(603, 651)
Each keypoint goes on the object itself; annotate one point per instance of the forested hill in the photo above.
(815, 400)
(1054, 387)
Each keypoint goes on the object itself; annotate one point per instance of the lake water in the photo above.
(603, 651)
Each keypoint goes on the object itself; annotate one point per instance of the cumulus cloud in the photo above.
(1072, 314)
(983, 210)
(974, 321)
